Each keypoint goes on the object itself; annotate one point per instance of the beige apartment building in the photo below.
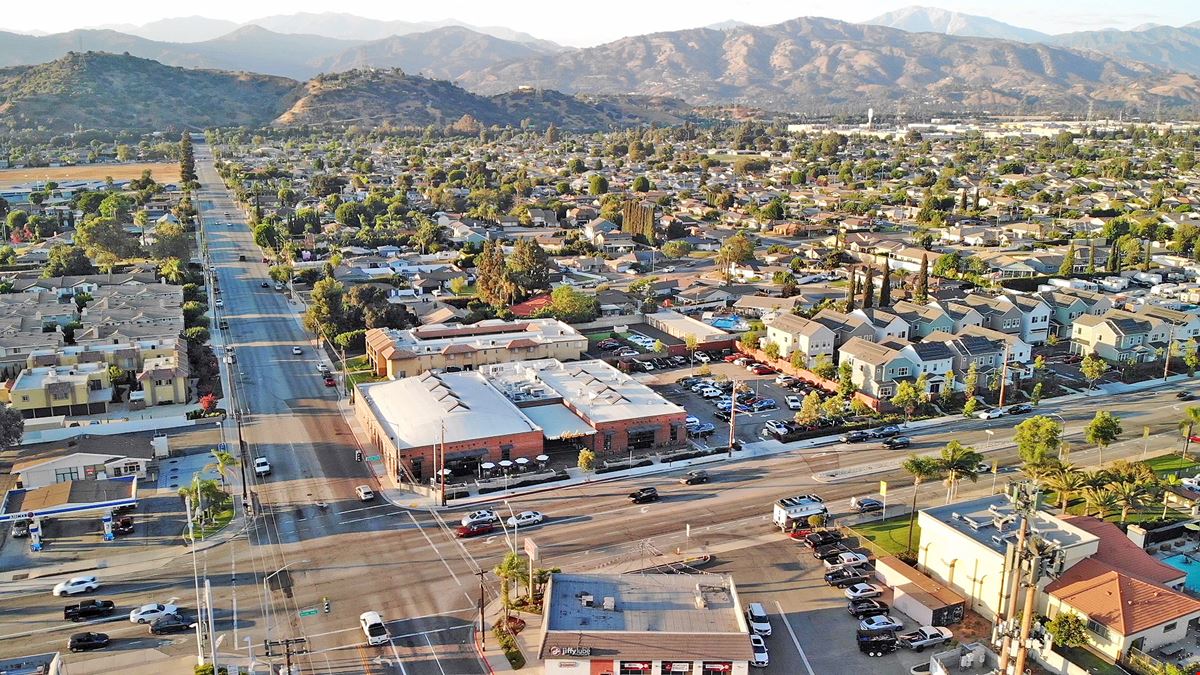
(397, 354)
(45, 391)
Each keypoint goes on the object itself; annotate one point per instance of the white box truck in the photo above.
(792, 512)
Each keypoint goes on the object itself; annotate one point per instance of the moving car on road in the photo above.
(526, 518)
(885, 431)
(865, 504)
(694, 477)
(473, 530)
(262, 467)
(1019, 409)
(297, 351)
(365, 493)
(88, 609)
(171, 623)
(374, 628)
(150, 612)
(643, 495)
(83, 642)
(897, 442)
(75, 585)
(482, 517)
(989, 414)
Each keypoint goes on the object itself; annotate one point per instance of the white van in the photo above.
(373, 628)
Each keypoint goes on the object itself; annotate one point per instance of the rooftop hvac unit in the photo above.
(610, 603)
(701, 603)
(974, 524)
(586, 600)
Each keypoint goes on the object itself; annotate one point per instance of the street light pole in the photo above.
(195, 580)
(267, 587)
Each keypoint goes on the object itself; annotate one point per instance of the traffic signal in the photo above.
(358, 455)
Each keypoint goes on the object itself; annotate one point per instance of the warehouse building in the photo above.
(644, 624)
(513, 410)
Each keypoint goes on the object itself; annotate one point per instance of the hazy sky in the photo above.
(603, 21)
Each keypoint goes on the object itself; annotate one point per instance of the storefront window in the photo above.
(716, 668)
(635, 667)
(677, 668)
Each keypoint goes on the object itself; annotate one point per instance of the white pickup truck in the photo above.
(925, 636)
(262, 467)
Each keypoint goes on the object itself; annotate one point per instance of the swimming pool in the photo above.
(728, 323)
(1185, 563)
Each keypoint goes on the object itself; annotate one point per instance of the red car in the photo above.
(734, 357)
(463, 531)
(329, 382)
(763, 370)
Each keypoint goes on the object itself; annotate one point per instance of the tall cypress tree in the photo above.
(868, 289)
(885, 285)
(921, 291)
(1091, 266)
(853, 288)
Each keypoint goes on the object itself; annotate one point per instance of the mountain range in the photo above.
(95, 90)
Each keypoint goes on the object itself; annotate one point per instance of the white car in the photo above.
(297, 351)
(777, 427)
(880, 622)
(756, 617)
(150, 612)
(702, 357)
(794, 402)
(760, 658)
(859, 591)
(76, 585)
(847, 559)
(711, 392)
(322, 368)
(990, 414)
(484, 517)
(374, 628)
(526, 518)
(365, 493)
(219, 302)
(627, 352)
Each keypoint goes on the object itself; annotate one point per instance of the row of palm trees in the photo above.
(957, 463)
(207, 494)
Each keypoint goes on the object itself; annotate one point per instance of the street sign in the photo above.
(531, 550)
(311, 611)
(375, 458)
(222, 446)
(883, 488)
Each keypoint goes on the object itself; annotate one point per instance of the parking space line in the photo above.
(365, 508)
(796, 641)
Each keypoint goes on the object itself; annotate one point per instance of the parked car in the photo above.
(880, 622)
(925, 636)
(526, 519)
(861, 609)
(989, 414)
(865, 504)
(897, 442)
(778, 427)
(710, 392)
(784, 380)
(823, 538)
(854, 436)
(734, 357)
(171, 623)
(1019, 409)
(756, 617)
(846, 559)
(82, 642)
(829, 551)
(84, 584)
(876, 642)
(763, 369)
(473, 530)
(643, 495)
(20, 529)
(760, 658)
(764, 404)
(88, 609)
(694, 477)
(703, 358)
(847, 576)
(483, 516)
(704, 430)
(794, 402)
(860, 591)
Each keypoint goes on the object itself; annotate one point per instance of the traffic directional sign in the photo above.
(374, 458)
(311, 611)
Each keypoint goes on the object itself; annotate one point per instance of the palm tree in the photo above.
(172, 270)
(1129, 495)
(1096, 478)
(921, 469)
(1164, 486)
(958, 462)
(1191, 419)
(1100, 499)
(222, 461)
(1038, 472)
(1066, 484)
(510, 568)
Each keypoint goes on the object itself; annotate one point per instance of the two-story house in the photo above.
(844, 326)
(1116, 336)
(886, 324)
(796, 334)
(1001, 316)
(876, 368)
(922, 319)
(1064, 309)
(1035, 317)
(985, 354)
(1181, 326)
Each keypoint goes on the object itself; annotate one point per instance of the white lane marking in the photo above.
(433, 652)
(365, 508)
(435, 549)
(796, 641)
(359, 520)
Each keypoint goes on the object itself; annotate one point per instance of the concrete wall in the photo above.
(965, 565)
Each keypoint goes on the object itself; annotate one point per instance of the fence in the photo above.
(1140, 662)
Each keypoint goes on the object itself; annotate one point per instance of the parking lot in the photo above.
(811, 630)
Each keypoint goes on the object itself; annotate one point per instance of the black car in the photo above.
(171, 623)
(82, 642)
(897, 442)
(1184, 395)
(88, 609)
(1019, 409)
(694, 477)
(877, 642)
(861, 609)
(264, 284)
(855, 436)
(643, 495)
(829, 551)
(721, 415)
(846, 576)
(822, 538)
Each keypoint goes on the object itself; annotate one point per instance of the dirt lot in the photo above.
(163, 172)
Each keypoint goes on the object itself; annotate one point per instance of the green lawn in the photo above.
(358, 363)
(362, 376)
(890, 535)
(1165, 464)
(1089, 661)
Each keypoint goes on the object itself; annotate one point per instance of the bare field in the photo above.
(163, 172)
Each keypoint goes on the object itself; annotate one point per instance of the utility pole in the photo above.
(1167, 356)
(291, 647)
(1010, 594)
(733, 394)
(482, 630)
(442, 467)
(1003, 375)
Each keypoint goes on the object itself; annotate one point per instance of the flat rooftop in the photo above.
(490, 334)
(594, 389)
(414, 409)
(680, 325)
(992, 520)
(34, 664)
(658, 603)
(74, 495)
(37, 378)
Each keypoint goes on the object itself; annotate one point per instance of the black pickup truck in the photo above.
(88, 609)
